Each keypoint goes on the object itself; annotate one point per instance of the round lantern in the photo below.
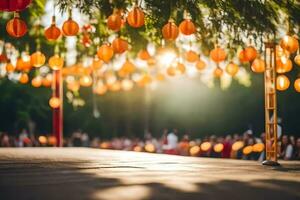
(105, 52)
(218, 54)
(16, 27)
(100, 89)
(19, 64)
(116, 86)
(297, 85)
(283, 67)
(47, 81)
(242, 57)
(127, 84)
(37, 59)
(97, 64)
(70, 27)
(205, 146)
(24, 78)
(247, 150)
(9, 67)
(36, 81)
(180, 68)
(187, 27)
(191, 56)
(258, 147)
(56, 62)
(114, 22)
(194, 150)
(218, 147)
(14, 5)
(218, 72)
(53, 32)
(250, 53)
(85, 81)
(297, 59)
(170, 31)
(144, 55)
(171, 71)
(136, 17)
(54, 102)
(200, 65)
(282, 82)
(258, 65)
(119, 45)
(289, 43)
(232, 69)
(237, 145)
(128, 67)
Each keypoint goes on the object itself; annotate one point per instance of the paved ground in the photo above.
(82, 173)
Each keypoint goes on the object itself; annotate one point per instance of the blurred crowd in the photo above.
(238, 146)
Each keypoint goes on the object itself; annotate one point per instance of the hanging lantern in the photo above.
(116, 86)
(54, 102)
(19, 64)
(37, 59)
(191, 56)
(218, 147)
(114, 21)
(282, 82)
(289, 43)
(205, 146)
(128, 67)
(24, 78)
(53, 32)
(218, 72)
(258, 65)
(297, 85)
(14, 5)
(247, 150)
(297, 59)
(85, 81)
(232, 69)
(73, 86)
(100, 89)
(250, 53)
(56, 62)
(170, 31)
(97, 64)
(16, 27)
(70, 27)
(144, 55)
(36, 81)
(283, 66)
(136, 17)
(9, 68)
(242, 57)
(180, 68)
(187, 27)
(47, 81)
(105, 52)
(127, 84)
(218, 54)
(171, 71)
(200, 65)
(119, 45)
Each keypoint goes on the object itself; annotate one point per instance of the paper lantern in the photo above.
(289, 43)
(24, 78)
(85, 81)
(100, 89)
(127, 84)
(16, 27)
(259, 147)
(14, 5)
(242, 57)
(42, 140)
(237, 145)
(194, 150)
(128, 67)
(283, 66)
(297, 85)
(232, 69)
(54, 102)
(205, 146)
(116, 86)
(180, 68)
(150, 148)
(70, 27)
(97, 64)
(9, 67)
(258, 65)
(282, 82)
(144, 55)
(37, 59)
(247, 150)
(191, 56)
(250, 53)
(218, 147)
(200, 65)
(36, 81)
(170, 31)
(105, 52)
(114, 22)
(218, 54)
(136, 17)
(47, 81)
(171, 71)
(23, 64)
(119, 45)
(56, 62)
(187, 27)
(297, 59)
(53, 32)
(218, 72)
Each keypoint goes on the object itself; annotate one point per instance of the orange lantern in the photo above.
(100, 89)
(105, 52)
(242, 57)
(218, 54)
(247, 150)
(144, 55)
(258, 65)
(205, 146)
(70, 27)
(47, 81)
(160, 77)
(289, 43)
(16, 27)
(297, 59)
(116, 86)
(114, 21)
(136, 17)
(194, 150)
(297, 85)
(171, 71)
(119, 45)
(283, 67)
(127, 84)
(250, 53)
(53, 32)
(218, 147)
(237, 145)
(232, 69)
(258, 147)
(187, 27)
(85, 81)
(170, 31)
(128, 67)
(56, 62)
(24, 78)
(54, 102)
(180, 68)
(97, 64)
(36, 81)
(37, 59)
(9, 67)
(218, 72)
(191, 56)
(200, 65)
(282, 82)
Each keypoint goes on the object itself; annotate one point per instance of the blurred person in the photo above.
(184, 145)
(76, 139)
(296, 155)
(23, 138)
(227, 147)
(85, 139)
(4, 140)
(172, 139)
(286, 148)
